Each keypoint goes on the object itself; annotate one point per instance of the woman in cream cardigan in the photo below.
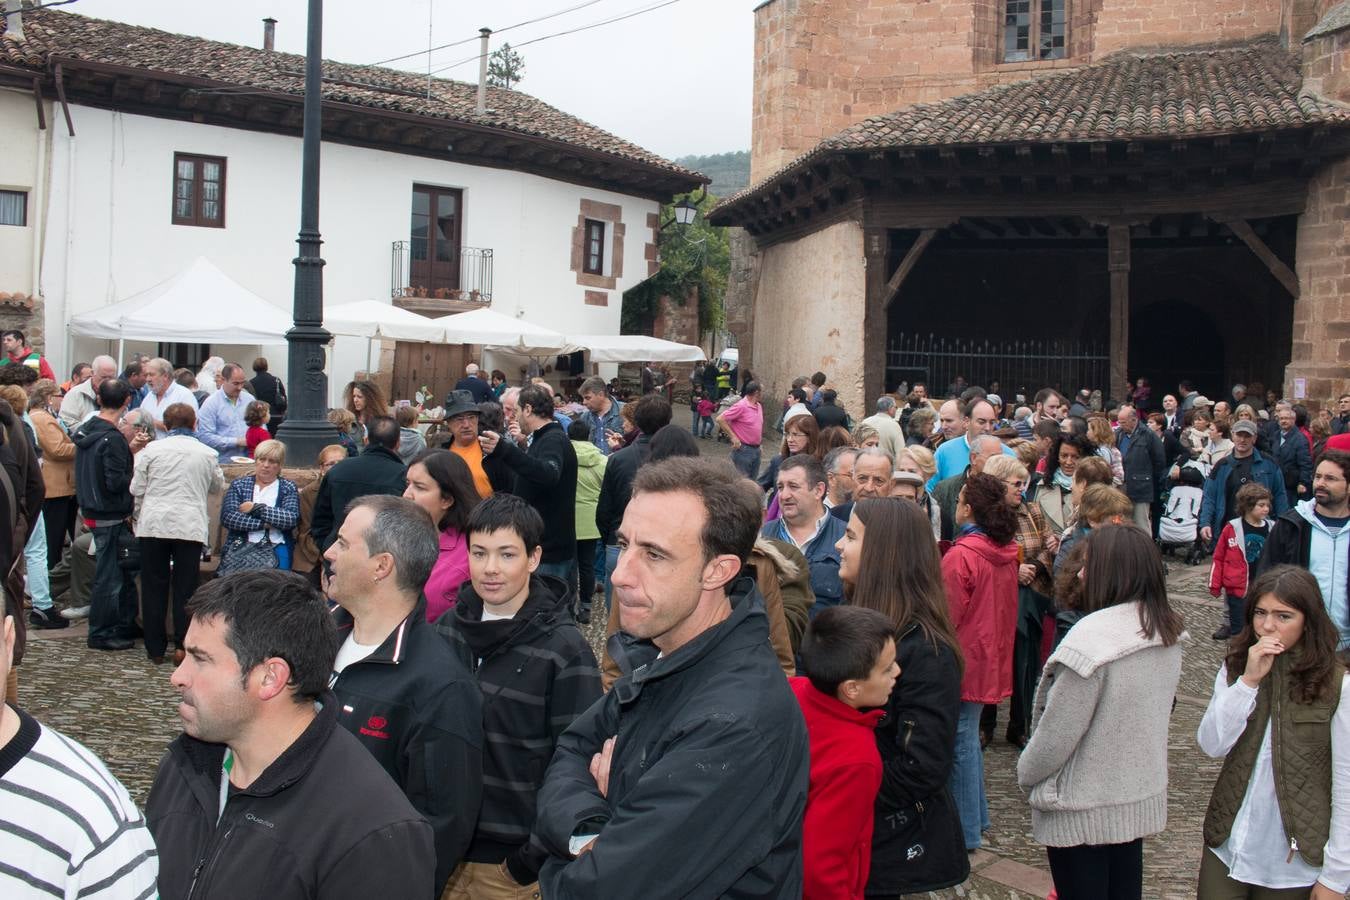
(1106, 696)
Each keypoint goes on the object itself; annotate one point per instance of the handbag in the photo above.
(242, 555)
(128, 552)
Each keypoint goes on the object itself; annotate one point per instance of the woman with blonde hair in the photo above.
(59, 509)
(261, 511)
(865, 435)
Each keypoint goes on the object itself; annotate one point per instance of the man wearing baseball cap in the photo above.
(1243, 466)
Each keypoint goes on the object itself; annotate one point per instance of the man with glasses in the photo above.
(461, 417)
(220, 423)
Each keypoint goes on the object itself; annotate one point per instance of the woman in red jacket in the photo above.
(980, 574)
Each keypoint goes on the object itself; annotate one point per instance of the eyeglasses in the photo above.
(1012, 482)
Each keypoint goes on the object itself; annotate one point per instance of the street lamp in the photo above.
(685, 212)
(306, 429)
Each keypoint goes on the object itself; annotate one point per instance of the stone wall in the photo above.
(822, 65)
(742, 285)
(1321, 350)
(809, 316)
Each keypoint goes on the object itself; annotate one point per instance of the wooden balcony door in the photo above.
(437, 219)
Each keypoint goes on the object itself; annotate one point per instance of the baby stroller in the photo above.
(1179, 527)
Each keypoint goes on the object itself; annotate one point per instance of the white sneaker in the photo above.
(75, 612)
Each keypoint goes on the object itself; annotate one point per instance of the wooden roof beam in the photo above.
(907, 265)
(1283, 274)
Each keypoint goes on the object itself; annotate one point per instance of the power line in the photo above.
(610, 21)
(552, 15)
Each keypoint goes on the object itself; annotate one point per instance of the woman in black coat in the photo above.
(889, 562)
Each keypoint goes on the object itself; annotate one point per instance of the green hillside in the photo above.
(729, 171)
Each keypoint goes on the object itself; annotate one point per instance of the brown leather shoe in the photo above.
(178, 656)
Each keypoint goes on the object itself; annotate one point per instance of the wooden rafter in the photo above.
(907, 265)
(1283, 274)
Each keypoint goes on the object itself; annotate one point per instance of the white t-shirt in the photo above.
(494, 617)
(350, 652)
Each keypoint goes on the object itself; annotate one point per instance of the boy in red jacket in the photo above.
(1236, 551)
(848, 655)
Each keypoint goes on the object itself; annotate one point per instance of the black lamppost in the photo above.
(306, 429)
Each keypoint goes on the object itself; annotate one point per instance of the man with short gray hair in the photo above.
(602, 412)
(474, 384)
(839, 476)
(401, 691)
(892, 436)
(81, 401)
(164, 392)
(982, 449)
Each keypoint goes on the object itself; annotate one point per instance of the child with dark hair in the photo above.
(848, 657)
(256, 415)
(1236, 551)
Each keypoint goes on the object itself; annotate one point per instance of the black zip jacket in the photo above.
(376, 471)
(708, 781)
(321, 822)
(917, 843)
(616, 488)
(538, 674)
(103, 470)
(1289, 543)
(546, 478)
(418, 711)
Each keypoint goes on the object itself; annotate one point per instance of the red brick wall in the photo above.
(822, 65)
(1321, 352)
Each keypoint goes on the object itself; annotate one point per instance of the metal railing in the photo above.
(1032, 364)
(466, 277)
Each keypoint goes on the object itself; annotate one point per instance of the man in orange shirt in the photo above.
(461, 415)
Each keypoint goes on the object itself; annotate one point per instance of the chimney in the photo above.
(482, 69)
(14, 19)
(269, 33)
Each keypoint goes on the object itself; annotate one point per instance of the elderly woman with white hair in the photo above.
(209, 378)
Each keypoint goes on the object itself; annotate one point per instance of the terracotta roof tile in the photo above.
(1130, 96)
(53, 33)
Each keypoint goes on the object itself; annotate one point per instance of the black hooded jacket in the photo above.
(546, 478)
(418, 711)
(708, 780)
(537, 674)
(322, 821)
(103, 470)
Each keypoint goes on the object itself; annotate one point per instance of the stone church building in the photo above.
(1047, 192)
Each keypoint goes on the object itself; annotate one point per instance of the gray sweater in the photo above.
(1096, 764)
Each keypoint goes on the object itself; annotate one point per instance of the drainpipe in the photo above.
(485, 33)
(269, 33)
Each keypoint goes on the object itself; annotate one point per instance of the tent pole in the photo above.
(370, 344)
(121, 347)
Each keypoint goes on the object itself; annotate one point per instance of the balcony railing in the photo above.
(443, 285)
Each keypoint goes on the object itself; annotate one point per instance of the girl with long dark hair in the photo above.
(980, 574)
(1096, 764)
(1278, 822)
(889, 562)
(442, 485)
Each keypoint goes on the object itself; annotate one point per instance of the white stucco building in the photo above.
(184, 147)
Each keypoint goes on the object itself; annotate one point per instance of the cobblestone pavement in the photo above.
(124, 709)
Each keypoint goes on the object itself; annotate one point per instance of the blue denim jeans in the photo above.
(1237, 608)
(35, 559)
(611, 562)
(967, 779)
(694, 422)
(112, 599)
(746, 461)
(563, 570)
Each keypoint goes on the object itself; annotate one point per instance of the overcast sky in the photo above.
(675, 80)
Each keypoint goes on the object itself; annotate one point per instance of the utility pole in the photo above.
(306, 429)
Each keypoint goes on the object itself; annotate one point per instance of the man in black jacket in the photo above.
(103, 470)
(1289, 448)
(1141, 453)
(268, 388)
(538, 674)
(651, 413)
(401, 691)
(264, 795)
(545, 476)
(378, 470)
(829, 414)
(689, 778)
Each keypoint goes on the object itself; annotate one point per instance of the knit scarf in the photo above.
(1063, 481)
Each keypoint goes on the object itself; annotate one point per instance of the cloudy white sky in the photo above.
(675, 80)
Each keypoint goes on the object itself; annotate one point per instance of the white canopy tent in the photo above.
(495, 331)
(201, 305)
(373, 319)
(620, 348)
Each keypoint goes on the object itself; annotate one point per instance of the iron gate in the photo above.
(1020, 366)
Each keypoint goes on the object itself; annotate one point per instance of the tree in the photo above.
(695, 260)
(506, 67)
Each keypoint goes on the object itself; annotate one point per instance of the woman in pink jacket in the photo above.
(980, 573)
(441, 483)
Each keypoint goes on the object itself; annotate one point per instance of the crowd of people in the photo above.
(386, 686)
